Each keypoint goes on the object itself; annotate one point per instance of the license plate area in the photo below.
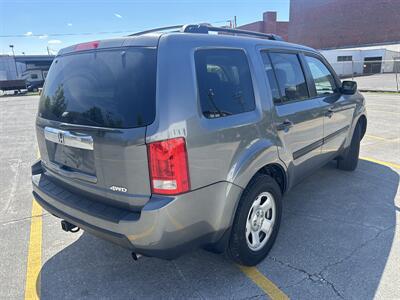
(70, 158)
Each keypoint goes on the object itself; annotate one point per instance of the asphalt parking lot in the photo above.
(379, 82)
(340, 234)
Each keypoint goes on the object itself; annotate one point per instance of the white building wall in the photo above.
(356, 66)
(7, 68)
(344, 68)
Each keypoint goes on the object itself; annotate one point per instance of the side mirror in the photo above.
(349, 87)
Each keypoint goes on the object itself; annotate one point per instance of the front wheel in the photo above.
(257, 221)
(350, 161)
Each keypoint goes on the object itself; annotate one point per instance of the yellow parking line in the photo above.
(384, 111)
(264, 283)
(32, 287)
(34, 264)
(380, 138)
(381, 162)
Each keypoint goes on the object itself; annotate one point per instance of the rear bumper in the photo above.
(166, 226)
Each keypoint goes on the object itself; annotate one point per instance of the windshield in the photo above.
(106, 88)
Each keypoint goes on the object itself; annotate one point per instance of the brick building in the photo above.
(269, 24)
(326, 24)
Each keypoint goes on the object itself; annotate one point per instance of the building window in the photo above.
(345, 58)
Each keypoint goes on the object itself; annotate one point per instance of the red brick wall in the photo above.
(269, 24)
(339, 23)
(282, 29)
(255, 26)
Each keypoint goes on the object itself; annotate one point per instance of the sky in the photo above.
(33, 25)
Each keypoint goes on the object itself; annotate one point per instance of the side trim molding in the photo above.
(303, 151)
(335, 134)
(307, 149)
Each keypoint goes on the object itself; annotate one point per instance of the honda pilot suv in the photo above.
(163, 142)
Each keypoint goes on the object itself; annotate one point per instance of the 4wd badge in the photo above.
(118, 189)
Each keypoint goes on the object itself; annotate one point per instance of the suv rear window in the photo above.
(224, 82)
(107, 88)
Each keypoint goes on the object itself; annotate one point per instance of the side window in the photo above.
(34, 76)
(291, 80)
(323, 78)
(224, 82)
(276, 96)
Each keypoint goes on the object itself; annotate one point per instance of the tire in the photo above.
(264, 189)
(350, 161)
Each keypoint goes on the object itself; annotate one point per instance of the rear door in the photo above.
(298, 118)
(92, 121)
(337, 108)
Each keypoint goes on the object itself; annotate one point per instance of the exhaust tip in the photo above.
(68, 227)
(135, 256)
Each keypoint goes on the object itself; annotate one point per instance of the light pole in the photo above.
(15, 62)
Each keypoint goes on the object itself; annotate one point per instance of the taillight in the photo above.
(87, 46)
(168, 165)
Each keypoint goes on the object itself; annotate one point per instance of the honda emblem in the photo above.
(61, 137)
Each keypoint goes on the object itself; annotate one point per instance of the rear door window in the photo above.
(290, 76)
(276, 96)
(106, 88)
(224, 82)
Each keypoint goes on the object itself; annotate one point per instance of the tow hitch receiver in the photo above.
(68, 227)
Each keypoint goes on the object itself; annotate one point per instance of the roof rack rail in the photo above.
(206, 28)
(157, 29)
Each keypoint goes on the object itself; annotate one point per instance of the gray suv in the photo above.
(163, 142)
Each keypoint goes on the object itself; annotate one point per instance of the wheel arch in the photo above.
(277, 172)
(261, 158)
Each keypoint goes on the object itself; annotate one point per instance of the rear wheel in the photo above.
(350, 161)
(256, 222)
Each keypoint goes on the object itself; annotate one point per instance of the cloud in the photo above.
(29, 33)
(43, 37)
(69, 24)
(53, 42)
(118, 16)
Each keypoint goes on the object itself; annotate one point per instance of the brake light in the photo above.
(87, 46)
(168, 165)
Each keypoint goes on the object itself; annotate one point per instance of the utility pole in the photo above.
(15, 62)
(397, 67)
(48, 50)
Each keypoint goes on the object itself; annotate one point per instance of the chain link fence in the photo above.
(371, 75)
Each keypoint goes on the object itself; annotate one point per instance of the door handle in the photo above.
(285, 126)
(329, 113)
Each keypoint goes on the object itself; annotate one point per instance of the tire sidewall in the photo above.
(238, 241)
(350, 160)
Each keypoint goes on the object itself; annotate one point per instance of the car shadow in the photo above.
(336, 235)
